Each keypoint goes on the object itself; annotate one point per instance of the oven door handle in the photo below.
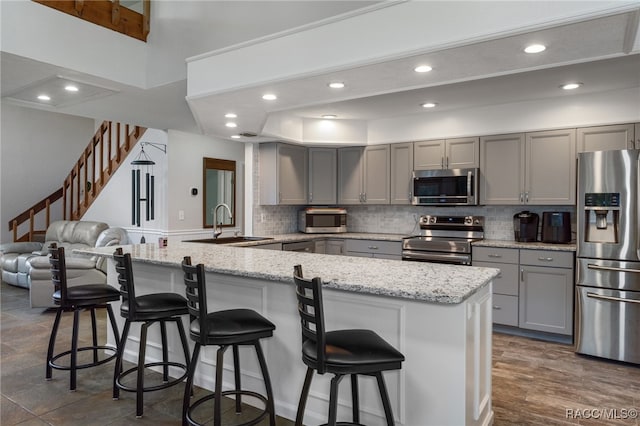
(612, 268)
(460, 259)
(611, 298)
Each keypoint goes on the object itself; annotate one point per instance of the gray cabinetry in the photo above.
(461, 153)
(501, 173)
(534, 289)
(550, 167)
(534, 168)
(334, 246)
(546, 291)
(401, 173)
(637, 135)
(283, 174)
(603, 138)
(350, 175)
(363, 175)
(323, 175)
(374, 248)
(505, 285)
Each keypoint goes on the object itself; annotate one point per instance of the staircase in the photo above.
(101, 158)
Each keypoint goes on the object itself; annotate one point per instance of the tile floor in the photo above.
(534, 382)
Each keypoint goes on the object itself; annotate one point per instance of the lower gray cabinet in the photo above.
(546, 292)
(374, 248)
(534, 289)
(334, 247)
(329, 246)
(505, 285)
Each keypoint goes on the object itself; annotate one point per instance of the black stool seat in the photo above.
(233, 326)
(148, 309)
(75, 299)
(87, 294)
(349, 351)
(157, 306)
(341, 352)
(228, 328)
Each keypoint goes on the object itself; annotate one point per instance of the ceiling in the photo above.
(600, 52)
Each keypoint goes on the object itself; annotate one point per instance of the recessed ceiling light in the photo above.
(71, 88)
(535, 48)
(571, 86)
(429, 105)
(329, 116)
(422, 68)
(230, 115)
(269, 97)
(235, 136)
(44, 97)
(336, 85)
(231, 124)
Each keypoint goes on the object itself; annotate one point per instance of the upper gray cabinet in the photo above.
(283, 174)
(401, 176)
(532, 168)
(363, 175)
(603, 138)
(323, 175)
(461, 153)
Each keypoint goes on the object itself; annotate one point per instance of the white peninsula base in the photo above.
(445, 380)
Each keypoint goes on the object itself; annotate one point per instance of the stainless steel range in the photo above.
(444, 239)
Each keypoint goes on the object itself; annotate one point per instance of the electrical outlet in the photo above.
(180, 214)
(261, 217)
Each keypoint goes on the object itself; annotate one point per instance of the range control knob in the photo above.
(477, 222)
(432, 219)
(468, 220)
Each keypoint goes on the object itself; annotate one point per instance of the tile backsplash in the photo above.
(389, 219)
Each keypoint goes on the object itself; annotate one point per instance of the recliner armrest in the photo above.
(20, 247)
(42, 262)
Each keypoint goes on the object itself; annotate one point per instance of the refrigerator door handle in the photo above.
(613, 299)
(612, 268)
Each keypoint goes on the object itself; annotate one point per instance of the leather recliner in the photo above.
(26, 264)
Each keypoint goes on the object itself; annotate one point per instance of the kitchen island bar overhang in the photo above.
(438, 316)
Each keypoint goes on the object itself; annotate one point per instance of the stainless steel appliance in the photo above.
(608, 265)
(444, 239)
(322, 220)
(453, 187)
(525, 226)
(556, 227)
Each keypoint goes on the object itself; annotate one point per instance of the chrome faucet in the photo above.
(217, 230)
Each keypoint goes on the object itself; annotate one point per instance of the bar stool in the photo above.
(233, 327)
(147, 309)
(341, 352)
(78, 298)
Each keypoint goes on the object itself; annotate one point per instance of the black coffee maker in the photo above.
(525, 226)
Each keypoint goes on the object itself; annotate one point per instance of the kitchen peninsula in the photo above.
(438, 315)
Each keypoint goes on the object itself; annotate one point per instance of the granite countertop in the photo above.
(290, 238)
(428, 282)
(531, 246)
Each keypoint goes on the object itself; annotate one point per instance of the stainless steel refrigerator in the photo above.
(608, 256)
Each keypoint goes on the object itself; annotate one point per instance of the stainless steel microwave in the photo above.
(321, 220)
(447, 187)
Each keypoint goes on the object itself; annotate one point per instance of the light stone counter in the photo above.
(428, 282)
(530, 246)
(299, 236)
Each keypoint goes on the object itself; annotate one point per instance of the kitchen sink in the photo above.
(228, 240)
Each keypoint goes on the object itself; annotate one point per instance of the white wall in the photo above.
(63, 40)
(186, 152)
(621, 106)
(38, 150)
(113, 206)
